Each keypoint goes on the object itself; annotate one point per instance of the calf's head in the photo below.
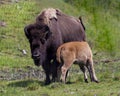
(37, 36)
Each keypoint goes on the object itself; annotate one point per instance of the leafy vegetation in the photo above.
(102, 29)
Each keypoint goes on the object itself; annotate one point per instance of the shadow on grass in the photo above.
(25, 83)
(32, 83)
(70, 82)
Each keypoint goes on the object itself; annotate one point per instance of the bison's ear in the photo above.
(27, 30)
(48, 32)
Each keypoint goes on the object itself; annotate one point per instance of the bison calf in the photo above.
(78, 53)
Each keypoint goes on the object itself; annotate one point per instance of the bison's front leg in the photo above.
(54, 68)
(46, 67)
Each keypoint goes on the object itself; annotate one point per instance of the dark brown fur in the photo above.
(48, 33)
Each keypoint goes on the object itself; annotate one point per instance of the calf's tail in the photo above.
(59, 59)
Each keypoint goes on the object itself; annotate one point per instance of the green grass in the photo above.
(12, 39)
(102, 30)
(108, 86)
(102, 22)
(107, 73)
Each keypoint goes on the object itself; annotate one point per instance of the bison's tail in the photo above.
(80, 18)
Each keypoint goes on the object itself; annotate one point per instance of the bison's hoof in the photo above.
(86, 81)
(47, 82)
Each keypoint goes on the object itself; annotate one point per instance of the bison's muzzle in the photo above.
(35, 55)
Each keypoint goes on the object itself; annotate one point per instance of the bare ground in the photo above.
(29, 72)
(8, 1)
(21, 73)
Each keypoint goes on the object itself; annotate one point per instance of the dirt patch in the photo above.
(22, 73)
(8, 1)
(29, 72)
(2, 24)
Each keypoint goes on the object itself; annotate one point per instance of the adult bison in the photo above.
(51, 29)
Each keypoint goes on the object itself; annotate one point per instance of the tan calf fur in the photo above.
(75, 52)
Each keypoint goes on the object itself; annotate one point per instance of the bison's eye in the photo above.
(42, 41)
(40, 19)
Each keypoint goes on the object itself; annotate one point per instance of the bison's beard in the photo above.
(37, 62)
(40, 60)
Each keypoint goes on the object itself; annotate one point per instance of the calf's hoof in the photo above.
(95, 81)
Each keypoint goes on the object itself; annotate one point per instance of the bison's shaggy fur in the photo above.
(75, 52)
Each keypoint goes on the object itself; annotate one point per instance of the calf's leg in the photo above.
(64, 70)
(91, 70)
(63, 75)
(83, 69)
(58, 73)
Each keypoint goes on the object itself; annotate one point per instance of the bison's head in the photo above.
(37, 36)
